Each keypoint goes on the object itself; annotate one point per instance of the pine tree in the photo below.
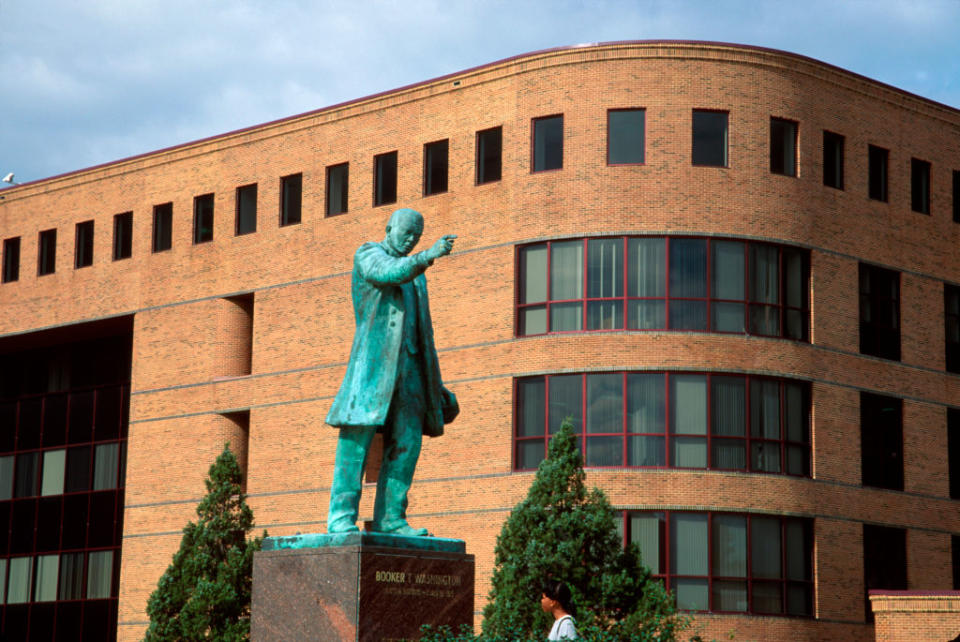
(563, 531)
(205, 593)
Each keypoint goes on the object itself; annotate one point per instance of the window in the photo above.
(83, 250)
(625, 136)
(246, 210)
(647, 283)
(956, 196)
(884, 561)
(955, 559)
(728, 562)
(547, 143)
(951, 305)
(203, 219)
(953, 450)
(47, 257)
(832, 160)
(674, 420)
(489, 155)
(920, 186)
(385, 179)
(877, 169)
(881, 441)
(710, 138)
(435, 167)
(122, 236)
(783, 147)
(291, 194)
(162, 227)
(879, 312)
(338, 183)
(11, 259)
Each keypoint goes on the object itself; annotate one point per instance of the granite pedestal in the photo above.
(359, 587)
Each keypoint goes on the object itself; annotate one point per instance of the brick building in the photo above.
(737, 269)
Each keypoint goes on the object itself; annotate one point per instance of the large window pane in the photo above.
(647, 267)
(531, 398)
(105, 466)
(647, 315)
(530, 454)
(566, 317)
(765, 547)
(566, 400)
(688, 268)
(566, 270)
(625, 132)
(71, 576)
(688, 404)
(54, 466)
(533, 274)
(646, 401)
(604, 451)
(548, 143)
(604, 403)
(99, 574)
(688, 542)
(45, 588)
(765, 409)
(646, 451)
(28, 469)
(646, 531)
(78, 469)
(729, 560)
(20, 581)
(6, 480)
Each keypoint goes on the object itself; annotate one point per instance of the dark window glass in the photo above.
(956, 196)
(783, 147)
(489, 155)
(547, 143)
(710, 138)
(291, 195)
(47, 256)
(122, 236)
(955, 559)
(879, 312)
(724, 562)
(385, 179)
(833, 160)
(877, 168)
(884, 561)
(953, 449)
(28, 435)
(625, 136)
(78, 469)
(28, 475)
(951, 316)
(920, 186)
(55, 420)
(11, 259)
(435, 167)
(203, 218)
(881, 441)
(678, 420)
(246, 209)
(48, 523)
(162, 227)
(753, 288)
(338, 188)
(83, 254)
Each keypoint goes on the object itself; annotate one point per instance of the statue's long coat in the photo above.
(368, 384)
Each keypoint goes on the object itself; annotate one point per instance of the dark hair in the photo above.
(559, 591)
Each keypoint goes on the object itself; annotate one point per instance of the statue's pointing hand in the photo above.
(442, 247)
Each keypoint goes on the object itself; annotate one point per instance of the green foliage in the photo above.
(205, 593)
(564, 531)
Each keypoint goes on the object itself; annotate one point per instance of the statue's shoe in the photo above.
(401, 528)
(342, 528)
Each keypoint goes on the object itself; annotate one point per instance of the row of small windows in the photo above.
(625, 146)
(59, 471)
(48, 578)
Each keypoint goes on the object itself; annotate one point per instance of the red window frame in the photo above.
(784, 444)
(781, 309)
(669, 578)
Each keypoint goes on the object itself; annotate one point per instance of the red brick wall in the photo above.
(191, 339)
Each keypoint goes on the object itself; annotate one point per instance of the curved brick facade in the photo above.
(192, 305)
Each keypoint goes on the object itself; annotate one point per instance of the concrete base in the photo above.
(359, 588)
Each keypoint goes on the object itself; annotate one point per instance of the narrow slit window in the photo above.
(920, 186)
(783, 147)
(489, 155)
(83, 253)
(385, 179)
(291, 195)
(338, 184)
(162, 227)
(122, 236)
(11, 259)
(203, 219)
(246, 209)
(47, 255)
(833, 160)
(877, 159)
(435, 167)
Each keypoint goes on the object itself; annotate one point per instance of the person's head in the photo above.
(404, 230)
(556, 594)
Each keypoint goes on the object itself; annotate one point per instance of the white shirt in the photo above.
(564, 629)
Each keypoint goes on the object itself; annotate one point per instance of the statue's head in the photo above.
(404, 230)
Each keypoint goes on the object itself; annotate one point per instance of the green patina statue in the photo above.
(392, 384)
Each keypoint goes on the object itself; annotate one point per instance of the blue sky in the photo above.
(84, 82)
